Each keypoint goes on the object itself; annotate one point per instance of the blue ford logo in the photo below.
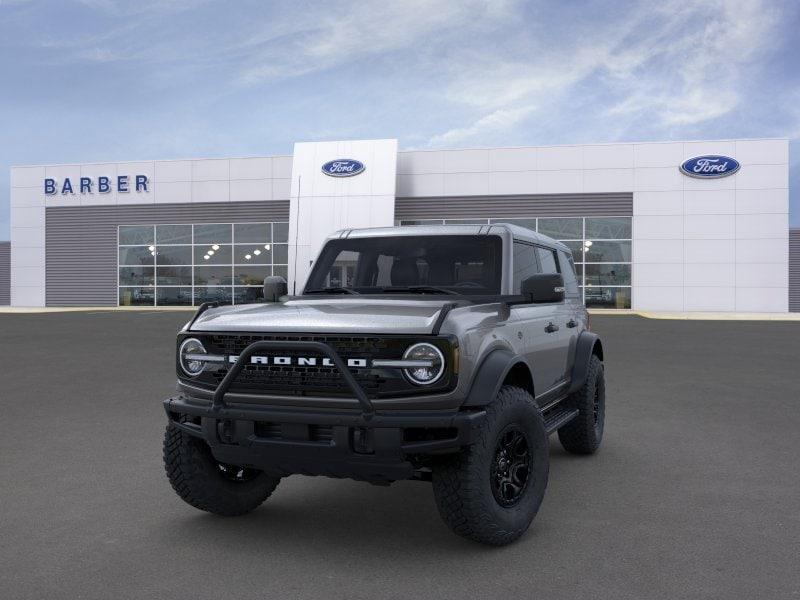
(710, 166)
(343, 167)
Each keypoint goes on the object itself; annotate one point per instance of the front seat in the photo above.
(405, 272)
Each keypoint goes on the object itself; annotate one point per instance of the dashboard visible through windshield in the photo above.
(445, 264)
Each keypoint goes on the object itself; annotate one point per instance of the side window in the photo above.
(570, 280)
(525, 264)
(547, 258)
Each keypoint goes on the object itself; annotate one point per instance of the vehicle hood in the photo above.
(340, 315)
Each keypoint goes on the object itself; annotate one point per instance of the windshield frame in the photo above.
(333, 247)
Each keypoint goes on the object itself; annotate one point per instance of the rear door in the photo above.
(558, 316)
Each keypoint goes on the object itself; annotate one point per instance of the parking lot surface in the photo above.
(695, 492)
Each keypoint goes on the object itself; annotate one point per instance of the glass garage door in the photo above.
(188, 264)
(601, 247)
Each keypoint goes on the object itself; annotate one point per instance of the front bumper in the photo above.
(377, 447)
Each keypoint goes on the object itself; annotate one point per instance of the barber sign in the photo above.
(710, 166)
(343, 167)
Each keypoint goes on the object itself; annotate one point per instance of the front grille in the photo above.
(319, 380)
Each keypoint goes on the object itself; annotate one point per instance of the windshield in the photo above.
(424, 264)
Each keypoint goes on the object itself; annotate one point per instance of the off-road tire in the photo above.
(584, 433)
(198, 479)
(462, 484)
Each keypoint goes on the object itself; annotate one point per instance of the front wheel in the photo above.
(491, 491)
(200, 480)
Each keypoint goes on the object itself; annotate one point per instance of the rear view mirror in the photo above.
(544, 287)
(274, 288)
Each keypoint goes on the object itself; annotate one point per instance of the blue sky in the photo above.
(104, 80)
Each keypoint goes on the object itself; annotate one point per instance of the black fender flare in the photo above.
(588, 344)
(490, 376)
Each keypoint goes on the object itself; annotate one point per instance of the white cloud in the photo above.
(497, 121)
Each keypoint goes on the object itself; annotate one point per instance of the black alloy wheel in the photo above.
(510, 466)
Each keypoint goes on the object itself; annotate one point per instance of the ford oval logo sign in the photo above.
(710, 166)
(343, 167)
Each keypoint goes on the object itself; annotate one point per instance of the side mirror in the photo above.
(274, 287)
(544, 287)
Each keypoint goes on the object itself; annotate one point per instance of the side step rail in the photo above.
(558, 417)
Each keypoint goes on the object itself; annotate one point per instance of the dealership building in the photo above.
(665, 226)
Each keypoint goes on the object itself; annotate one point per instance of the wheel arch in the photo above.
(498, 368)
(588, 345)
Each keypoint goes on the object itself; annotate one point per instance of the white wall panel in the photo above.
(709, 227)
(763, 275)
(662, 227)
(513, 159)
(250, 168)
(513, 182)
(608, 156)
(560, 158)
(466, 184)
(466, 161)
(709, 202)
(709, 251)
(761, 251)
(250, 189)
(172, 192)
(762, 201)
(658, 298)
(659, 274)
(658, 203)
(210, 191)
(762, 177)
(761, 299)
(420, 162)
(173, 170)
(762, 152)
(27, 197)
(28, 177)
(657, 251)
(669, 154)
(560, 182)
(762, 226)
(215, 169)
(704, 299)
(709, 274)
(657, 179)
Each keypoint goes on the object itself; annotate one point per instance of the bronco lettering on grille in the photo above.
(300, 361)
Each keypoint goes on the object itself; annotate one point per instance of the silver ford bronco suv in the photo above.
(446, 354)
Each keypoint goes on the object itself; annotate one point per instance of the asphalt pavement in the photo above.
(695, 492)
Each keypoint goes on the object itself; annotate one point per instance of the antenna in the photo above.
(296, 237)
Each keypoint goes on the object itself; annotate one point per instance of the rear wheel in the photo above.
(491, 491)
(205, 483)
(584, 433)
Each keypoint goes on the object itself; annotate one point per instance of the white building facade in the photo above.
(646, 233)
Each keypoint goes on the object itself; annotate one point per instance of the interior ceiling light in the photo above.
(215, 247)
(151, 248)
(211, 253)
(206, 257)
(266, 246)
(256, 251)
(587, 243)
(247, 257)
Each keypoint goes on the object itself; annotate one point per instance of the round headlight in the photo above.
(424, 352)
(192, 367)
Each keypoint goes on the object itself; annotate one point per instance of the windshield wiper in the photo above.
(333, 290)
(419, 289)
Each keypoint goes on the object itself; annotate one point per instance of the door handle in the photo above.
(572, 323)
(551, 327)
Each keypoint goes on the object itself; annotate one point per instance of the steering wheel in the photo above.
(467, 284)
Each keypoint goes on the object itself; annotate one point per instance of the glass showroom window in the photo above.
(185, 264)
(601, 247)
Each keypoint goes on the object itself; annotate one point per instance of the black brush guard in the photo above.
(368, 410)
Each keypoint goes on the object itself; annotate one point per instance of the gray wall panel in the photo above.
(82, 241)
(794, 270)
(479, 207)
(5, 273)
